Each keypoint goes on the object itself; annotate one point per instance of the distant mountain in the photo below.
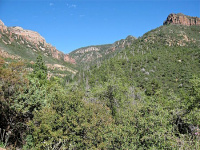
(31, 40)
(93, 53)
(16, 42)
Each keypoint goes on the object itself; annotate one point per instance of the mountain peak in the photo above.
(181, 19)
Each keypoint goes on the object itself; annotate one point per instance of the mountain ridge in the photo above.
(32, 40)
(94, 52)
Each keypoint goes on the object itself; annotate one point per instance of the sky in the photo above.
(72, 24)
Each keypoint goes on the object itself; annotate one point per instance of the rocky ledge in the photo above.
(182, 20)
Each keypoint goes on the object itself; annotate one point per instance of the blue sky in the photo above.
(71, 24)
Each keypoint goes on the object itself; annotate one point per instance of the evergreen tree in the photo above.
(39, 68)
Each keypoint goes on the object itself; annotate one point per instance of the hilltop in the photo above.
(182, 19)
(18, 43)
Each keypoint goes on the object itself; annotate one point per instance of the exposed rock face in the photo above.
(123, 43)
(3, 28)
(32, 40)
(67, 58)
(29, 35)
(60, 67)
(88, 49)
(6, 55)
(182, 19)
(1, 23)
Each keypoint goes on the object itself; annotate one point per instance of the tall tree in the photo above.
(40, 70)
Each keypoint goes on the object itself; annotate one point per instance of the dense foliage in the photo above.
(145, 97)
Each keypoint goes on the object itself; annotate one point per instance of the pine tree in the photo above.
(40, 70)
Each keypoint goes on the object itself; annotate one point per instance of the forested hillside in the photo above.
(94, 54)
(146, 96)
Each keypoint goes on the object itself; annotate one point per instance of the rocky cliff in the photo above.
(182, 19)
(31, 40)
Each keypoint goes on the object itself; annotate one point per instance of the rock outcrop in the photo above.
(29, 35)
(67, 58)
(3, 28)
(32, 40)
(182, 20)
(60, 67)
(87, 49)
(6, 55)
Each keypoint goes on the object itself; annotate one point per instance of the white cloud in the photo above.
(71, 5)
(51, 4)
